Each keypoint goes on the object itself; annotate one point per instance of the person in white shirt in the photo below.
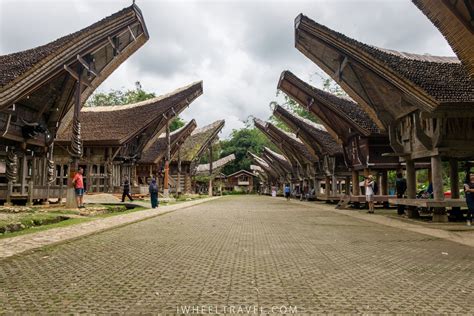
(368, 183)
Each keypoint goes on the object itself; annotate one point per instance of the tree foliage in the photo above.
(130, 96)
(177, 123)
(331, 86)
(241, 141)
(292, 106)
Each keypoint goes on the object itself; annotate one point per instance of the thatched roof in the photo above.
(39, 80)
(157, 150)
(278, 159)
(115, 125)
(216, 165)
(386, 83)
(313, 135)
(334, 111)
(454, 20)
(200, 140)
(289, 143)
(264, 165)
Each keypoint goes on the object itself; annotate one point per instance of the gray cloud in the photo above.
(238, 48)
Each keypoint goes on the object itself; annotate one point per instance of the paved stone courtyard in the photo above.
(248, 251)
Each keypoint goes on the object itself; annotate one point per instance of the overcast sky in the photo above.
(238, 48)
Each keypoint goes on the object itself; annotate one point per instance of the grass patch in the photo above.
(30, 219)
(35, 229)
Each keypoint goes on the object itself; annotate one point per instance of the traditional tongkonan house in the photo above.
(189, 155)
(454, 19)
(42, 88)
(153, 158)
(240, 181)
(212, 170)
(424, 102)
(262, 184)
(331, 160)
(114, 138)
(280, 164)
(270, 176)
(362, 141)
(303, 163)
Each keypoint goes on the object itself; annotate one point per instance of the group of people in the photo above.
(371, 189)
(152, 189)
(79, 189)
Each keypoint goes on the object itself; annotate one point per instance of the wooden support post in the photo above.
(384, 180)
(210, 193)
(384, 186)
(30, 193)
(74, 167)
(8, 201)
(187, 183)
(439, 214)
(327, 187)
(334, 185)
(166, 192)
(178, 185)
(454, 177)
(60, 177)
(355, 182)
(348, 185)
(24, 171)
(412, 211)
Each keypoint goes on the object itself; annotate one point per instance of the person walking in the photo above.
(287, 192)
(126, 189)
(78, 183)
(369, 185)
(401, 186)
(153, 189)
(469, 192)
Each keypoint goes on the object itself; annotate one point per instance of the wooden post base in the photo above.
(440, 215)
(412, 212)
(70, 198)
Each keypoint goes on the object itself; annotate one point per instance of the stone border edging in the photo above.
(19, 244)
(392, 222)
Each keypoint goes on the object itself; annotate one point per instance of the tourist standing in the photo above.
(369, 185)
(469, 192)
(78, 183)
(126, 189)
(153, 189)
(401, 185)
(287, 192)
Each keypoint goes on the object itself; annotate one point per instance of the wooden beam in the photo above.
(131, 33)
(342, 65)
(86, 65)
(424, 139)
(76, 76)
(113, 44)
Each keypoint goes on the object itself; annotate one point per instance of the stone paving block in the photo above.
(244, 251)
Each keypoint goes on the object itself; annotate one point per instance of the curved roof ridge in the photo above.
(11, 68)
(208, 127)
(412, 72)
(420, 57)
(110, 108)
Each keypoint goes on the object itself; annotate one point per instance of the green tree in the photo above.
(292, 106)
(119, 97)
(331, 86)
(246, 139)
(177, 123)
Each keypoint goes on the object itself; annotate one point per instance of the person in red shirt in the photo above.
(78, 183)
